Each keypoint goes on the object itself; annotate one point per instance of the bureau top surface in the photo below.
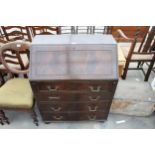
(80, 63)
(73, 39)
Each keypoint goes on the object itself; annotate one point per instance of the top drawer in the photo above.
(87, 86)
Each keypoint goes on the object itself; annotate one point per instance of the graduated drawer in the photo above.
(49, 117)
(76, 116)
(76, 86)
(92, 97)
(92, 116)
(96, 97)
(52, 97)
(73, 106)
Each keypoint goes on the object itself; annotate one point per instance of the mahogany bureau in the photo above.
(73, 77)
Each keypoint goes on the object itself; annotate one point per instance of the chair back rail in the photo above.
(149, 40)
(13, 33)
(11, 53)
(43, 30)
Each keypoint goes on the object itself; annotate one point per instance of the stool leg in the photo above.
(34, 117)
(3, 118)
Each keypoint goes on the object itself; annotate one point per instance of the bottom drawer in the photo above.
(49, 117)
(74, 116)
(99, 116)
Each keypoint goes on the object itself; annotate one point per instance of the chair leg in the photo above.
(125, 70)
(149, 71)
(140, 64)
(3, 118)
(34, 117)
(2, 79)
(1, 122)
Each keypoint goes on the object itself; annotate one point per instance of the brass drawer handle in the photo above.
(98, 89)
(92, 118)
(92, 109)
(52, 89)
(53, 97)
(55, 109)
(58, 117)
(94, 98)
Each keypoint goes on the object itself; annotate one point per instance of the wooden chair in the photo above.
(145, 53)
(101, 29)
(13, 33)
(83, 29)
(129, 31)
(67, 29)
(43, 30)
(16, 93)
(90, 30)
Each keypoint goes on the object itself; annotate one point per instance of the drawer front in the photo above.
(93, 116)
(73, 106)
(48, 117)
(52, 86)
(57, 106)
(77, 116)
(77, 86)
(85, 97)
(94, 107)
(95, 97)
(52, 97)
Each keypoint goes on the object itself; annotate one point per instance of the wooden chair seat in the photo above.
(136, 57)
(16, 93)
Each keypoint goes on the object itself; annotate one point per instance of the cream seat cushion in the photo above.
(16, 93)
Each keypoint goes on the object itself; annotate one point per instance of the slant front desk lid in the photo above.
(73, 57)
